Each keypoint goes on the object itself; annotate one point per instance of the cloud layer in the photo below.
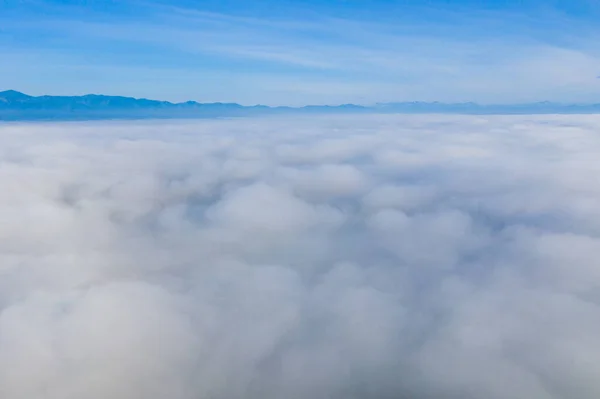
(339, 257)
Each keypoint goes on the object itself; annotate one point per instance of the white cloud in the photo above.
(340, 256)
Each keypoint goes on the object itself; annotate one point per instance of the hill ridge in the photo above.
(15, 105)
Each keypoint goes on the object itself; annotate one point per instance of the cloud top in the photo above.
(342, 257)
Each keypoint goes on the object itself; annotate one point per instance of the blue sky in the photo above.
(305, 51)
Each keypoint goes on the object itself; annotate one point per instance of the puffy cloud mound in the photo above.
(341, 257)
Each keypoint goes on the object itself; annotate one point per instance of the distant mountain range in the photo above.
(15, 105)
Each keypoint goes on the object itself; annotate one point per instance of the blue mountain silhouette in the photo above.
(15, 105)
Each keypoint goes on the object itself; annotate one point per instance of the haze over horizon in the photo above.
(17, 106)
(17, 94)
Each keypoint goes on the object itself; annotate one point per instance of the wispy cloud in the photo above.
(472, 56)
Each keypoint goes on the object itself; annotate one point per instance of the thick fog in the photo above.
(342, 257)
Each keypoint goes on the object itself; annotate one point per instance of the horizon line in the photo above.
(472, 103)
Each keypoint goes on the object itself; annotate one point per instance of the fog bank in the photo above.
(373, 256)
